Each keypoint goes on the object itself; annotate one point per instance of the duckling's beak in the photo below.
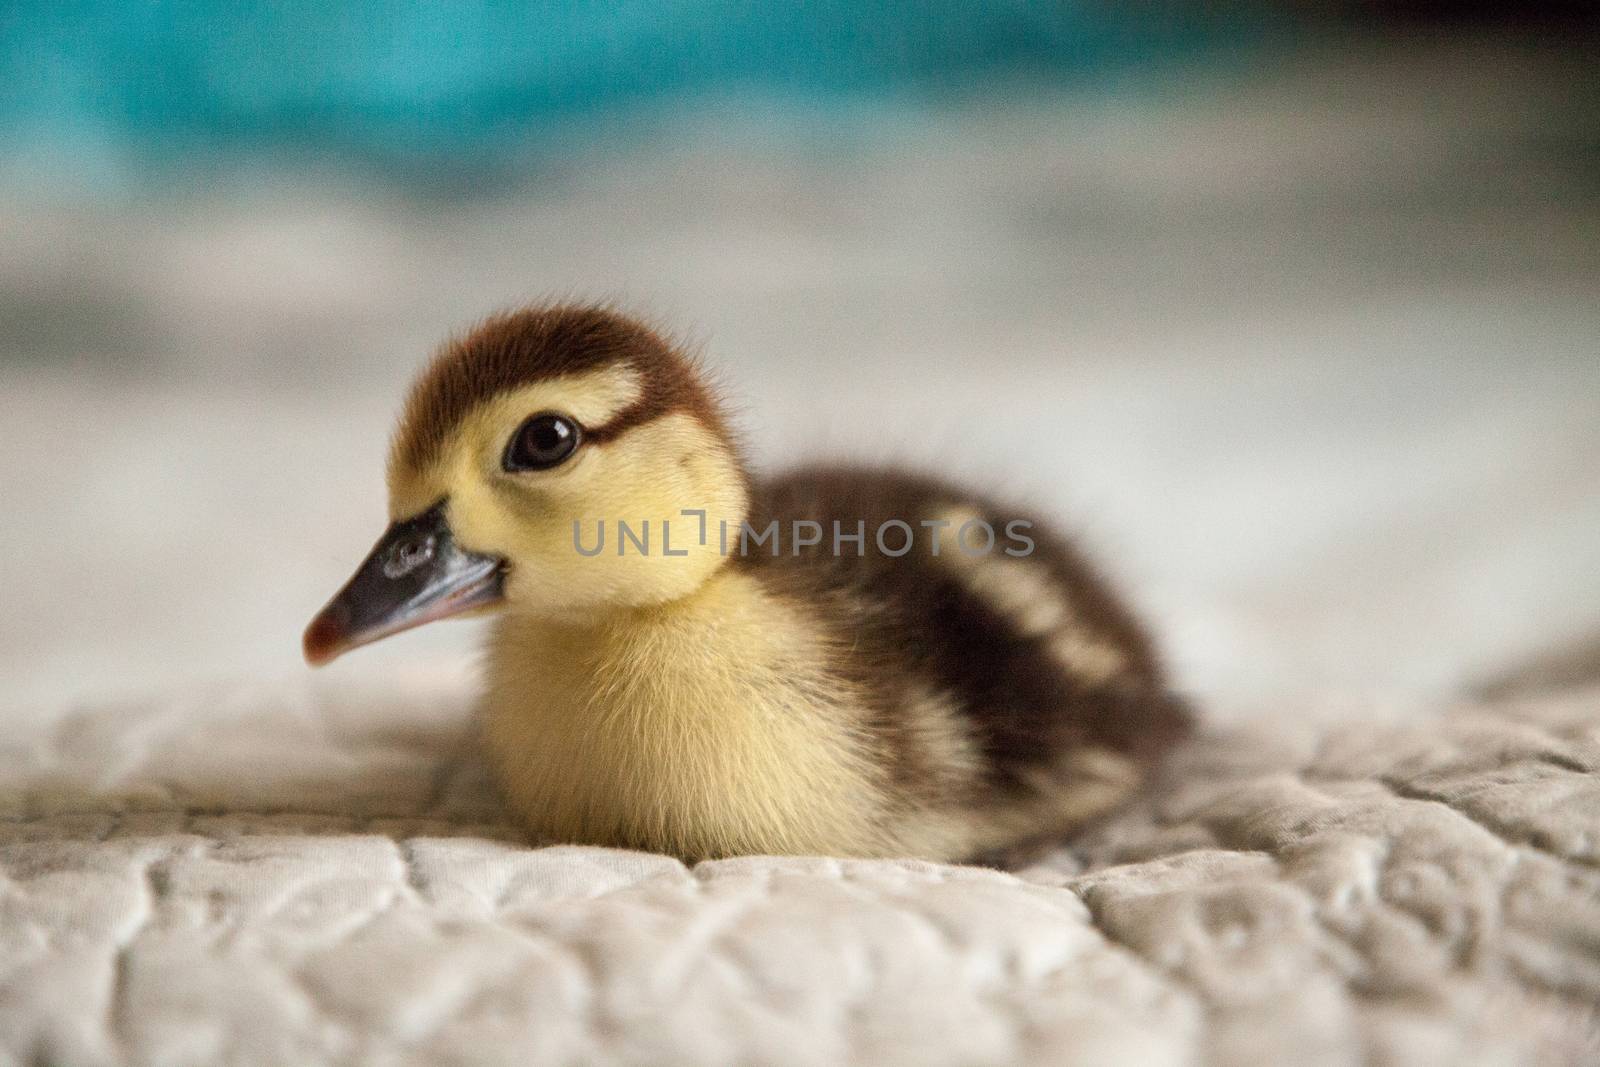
(415, 574)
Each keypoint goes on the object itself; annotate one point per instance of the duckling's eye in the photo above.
(541, 443)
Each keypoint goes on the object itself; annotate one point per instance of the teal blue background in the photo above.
(397, 81)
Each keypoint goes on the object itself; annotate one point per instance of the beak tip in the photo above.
(322, 641)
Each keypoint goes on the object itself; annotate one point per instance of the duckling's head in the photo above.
(524, 444)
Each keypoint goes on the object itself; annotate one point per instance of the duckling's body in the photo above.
(814, 692)
(714, 725)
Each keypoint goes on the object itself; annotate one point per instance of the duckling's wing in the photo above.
(1012, 627)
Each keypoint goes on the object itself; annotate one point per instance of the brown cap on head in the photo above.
(519, 348)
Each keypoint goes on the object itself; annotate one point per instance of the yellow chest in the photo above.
(706, 727)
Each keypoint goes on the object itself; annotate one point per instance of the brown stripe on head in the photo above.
(519, 348)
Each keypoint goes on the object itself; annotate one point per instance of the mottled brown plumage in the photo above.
(839, 696)
(913, 618)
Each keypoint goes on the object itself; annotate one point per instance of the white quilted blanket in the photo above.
(323, 877)
(1308, 359)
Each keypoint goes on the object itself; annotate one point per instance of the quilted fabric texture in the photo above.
(324, 876)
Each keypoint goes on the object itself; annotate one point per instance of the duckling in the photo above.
(839, 661)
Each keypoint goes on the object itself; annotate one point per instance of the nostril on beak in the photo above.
(408, 555)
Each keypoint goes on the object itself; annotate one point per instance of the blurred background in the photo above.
(1293, 317)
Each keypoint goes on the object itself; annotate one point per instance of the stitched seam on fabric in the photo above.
(1501, 834)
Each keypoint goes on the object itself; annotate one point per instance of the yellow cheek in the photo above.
(643, 492)
(618, 527)
(651, 517)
